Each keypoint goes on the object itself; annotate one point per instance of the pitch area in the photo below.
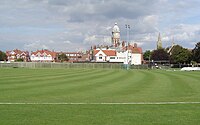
(27, 96)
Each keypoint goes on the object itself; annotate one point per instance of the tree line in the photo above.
(175, 55)
(3, 56)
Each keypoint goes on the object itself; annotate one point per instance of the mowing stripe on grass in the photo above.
(115, 103)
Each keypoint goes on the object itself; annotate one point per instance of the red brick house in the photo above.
(43, 56)
(16, 54)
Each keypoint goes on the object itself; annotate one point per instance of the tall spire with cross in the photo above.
(159, 42)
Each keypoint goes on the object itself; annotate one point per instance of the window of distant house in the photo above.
(100, 57)
(121, 57)
(112, 57)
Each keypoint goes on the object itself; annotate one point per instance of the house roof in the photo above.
(106, 52)
(134, 49)
(42, 52)
(16, 52)
(137, 50)
(110, 52)
(95, 51)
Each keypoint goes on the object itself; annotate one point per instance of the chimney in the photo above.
(123, 44)
(95, 47)
(135, 45)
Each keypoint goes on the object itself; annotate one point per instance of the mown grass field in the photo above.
(21, 85)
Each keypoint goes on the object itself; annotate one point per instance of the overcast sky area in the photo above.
(75, 25)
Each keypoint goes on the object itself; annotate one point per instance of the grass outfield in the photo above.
(88, 86)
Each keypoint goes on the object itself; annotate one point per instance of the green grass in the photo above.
(21, 85)
(100, 114)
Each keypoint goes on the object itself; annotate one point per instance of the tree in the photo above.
(147, 55)
(62, 57)
(3, 56)
(19, 60)
(159, 55)
(196, 53)
(180, 55)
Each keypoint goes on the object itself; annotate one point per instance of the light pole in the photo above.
(127, 32)
(127, 26)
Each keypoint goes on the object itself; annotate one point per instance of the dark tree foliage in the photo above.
(3, 56)
(147, 55)
(19, 60)
(196, 53)
(160, 54)
(62, 57)
(180, 55)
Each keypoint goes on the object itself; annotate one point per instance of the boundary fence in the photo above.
(70, 65)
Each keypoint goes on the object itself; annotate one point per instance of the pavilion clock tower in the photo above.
(115, 36)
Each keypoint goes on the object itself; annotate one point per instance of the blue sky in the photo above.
(66, 25)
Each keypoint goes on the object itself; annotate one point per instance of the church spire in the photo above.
(173, 43)
(159, 42)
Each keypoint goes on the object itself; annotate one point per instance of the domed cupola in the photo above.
(116, 29)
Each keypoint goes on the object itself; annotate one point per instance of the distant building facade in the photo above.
(43, 56)
(118, 52)
(104, 55)
(77, 56)
(128, 55)
(73, 56)
(16, 54)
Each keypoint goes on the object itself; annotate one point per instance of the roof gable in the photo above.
(110, 52)
(100, 53)
(95, 51)
(16, 52)
(105, 52)
(44, 52)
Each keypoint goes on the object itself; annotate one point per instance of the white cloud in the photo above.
(35, 46)
(97, 40)
(51, 41)
(67, 42)
(91, 39)
(185, 32)
(81, 23)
